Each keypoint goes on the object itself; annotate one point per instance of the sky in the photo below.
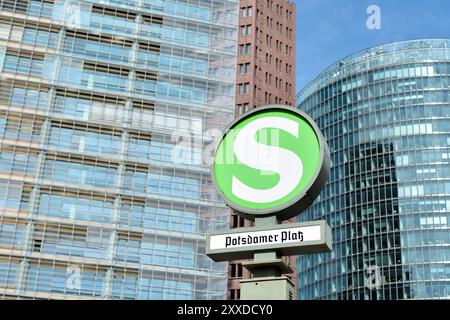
(329, 30)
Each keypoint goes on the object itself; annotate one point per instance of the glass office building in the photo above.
(386, 115)
(105, 110)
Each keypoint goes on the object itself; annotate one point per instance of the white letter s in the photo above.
(259, 156)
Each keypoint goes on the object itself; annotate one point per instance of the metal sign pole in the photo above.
(267, 269)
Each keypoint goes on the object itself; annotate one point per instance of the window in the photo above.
(243, 31)
(29, 97)
(88, 107)
(11, 234)
(85, 172)
(8, 272)
(235, 294)
(92, 75)
(247, 88)
(240, 89)
(33, 7)
(99, 47)
(141, 181)
(244, 88)
(81, 207)
(242, 49)
(86, 242)
(110, 20)
(148, 215)
(167, 254)
(25, 63)
(245, 49)
(14, 195)
(236, 220)
(246, 12)
(68, 136)
(239, 109)
(241, 69)
(17, 161)
(159, 289)
(20, 128)
(91, 282)
(125, 285)
(235, 270)
(128, 248)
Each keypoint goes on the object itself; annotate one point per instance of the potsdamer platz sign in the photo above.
(269, 166)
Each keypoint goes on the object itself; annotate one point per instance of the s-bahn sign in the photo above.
(272, 161)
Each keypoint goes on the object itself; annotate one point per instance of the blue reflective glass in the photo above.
(40, 37)
(27, 97)
(99, 50)
(84, 141)
(11, 235)
(71, 207)
(80, 173)
(159, 218)
(17, 162)
(125, 286)
(24, 65)
(8, 273)
(90, 282)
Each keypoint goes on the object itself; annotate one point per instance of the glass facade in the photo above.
(106, 110)
(385, 113)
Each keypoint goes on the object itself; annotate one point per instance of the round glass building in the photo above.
(385, 113)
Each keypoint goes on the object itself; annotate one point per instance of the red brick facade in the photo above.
(265, 75)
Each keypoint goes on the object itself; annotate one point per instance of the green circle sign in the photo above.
(271, 161)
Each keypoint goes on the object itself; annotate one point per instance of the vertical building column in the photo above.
(109, 277)
(57, 60)
(124, 142)
(108, 285)
(137, 24)
(134, 53)
(115, 224)
(120, 177)
(33, 203)
(21, 278)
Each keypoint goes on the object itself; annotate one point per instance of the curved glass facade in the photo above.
(104, 106)
(386, 115)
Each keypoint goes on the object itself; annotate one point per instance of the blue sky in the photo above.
(328, 30)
